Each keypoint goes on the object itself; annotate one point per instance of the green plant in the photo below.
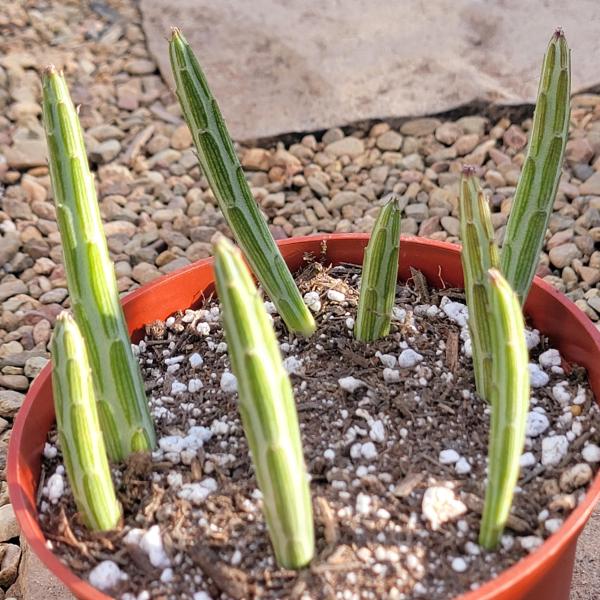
(122, 404)
(224, 173)
(380, 271)
(79, 431)
(509, 399)
(479, 254)
(267, 409)
(536, 189)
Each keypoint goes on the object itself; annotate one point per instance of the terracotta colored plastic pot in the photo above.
(544, 575)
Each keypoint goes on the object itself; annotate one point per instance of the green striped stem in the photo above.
(379, 275)
(479, 254)
(224, 173)
(122, 403)
(78, 427)
(267, 409)
(509, 398)
(536, 189)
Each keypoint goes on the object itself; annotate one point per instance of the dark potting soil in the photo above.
(395, 441)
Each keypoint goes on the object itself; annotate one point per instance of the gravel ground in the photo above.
(160, 215)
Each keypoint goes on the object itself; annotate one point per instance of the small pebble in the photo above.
(336, 296)
(575, 477)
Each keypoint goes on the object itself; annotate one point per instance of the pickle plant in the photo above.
(267, 409)
(379, 275)
(509, 399)
(79, 430)
(122, 405)
(222, 169)
(537, 185)
(479, 255)
(497, 284)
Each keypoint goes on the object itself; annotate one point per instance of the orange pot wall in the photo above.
(544, 575)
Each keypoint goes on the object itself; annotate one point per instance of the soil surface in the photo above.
(395, 441)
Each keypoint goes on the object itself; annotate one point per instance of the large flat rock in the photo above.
(278, 66)
(36, 582)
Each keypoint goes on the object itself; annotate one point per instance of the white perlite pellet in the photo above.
(537, 423)
(55, 487)
(336, 296)
(178, 388)
(196, 360)
(537, 377)
(228, 382)
(363, 504)
(196, 493)
(472, 548)
(202, 596)
(455, 311)
(554, 449)
(391, 375)
(462, 467)
(387, 360)
(449, 457)
(293, 365)
(368, 451)
(591, 453)
(553, 525)
(530, 542)
(194, 385)
(550, 358)
(532, 338)
(50, 451)
(152, 544)
(527, 459)
(203, 328)
(350, 384)
(561, 394)
(106, 575)
(409, 358)
(377, 431)
(441, 505)
(313, 301)
(329, 454)
(398, 314)
(459, 564)
(167, 575)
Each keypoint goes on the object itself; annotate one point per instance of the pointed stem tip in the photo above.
(50, 70)
(469, 170)
(558, 33)
(175, 32)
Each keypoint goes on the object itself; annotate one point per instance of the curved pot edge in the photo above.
(566, 535)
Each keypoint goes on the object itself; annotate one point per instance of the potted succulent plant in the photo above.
(102, 413)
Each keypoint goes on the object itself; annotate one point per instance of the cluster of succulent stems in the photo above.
(101, 408)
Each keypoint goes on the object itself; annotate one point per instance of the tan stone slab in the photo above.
(36, 582)
(299, 66)
(586, 577)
